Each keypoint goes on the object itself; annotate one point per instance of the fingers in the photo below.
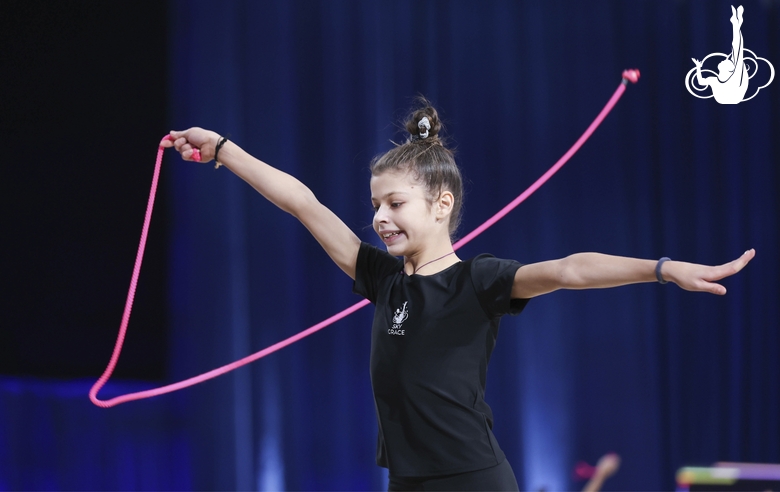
(169, 140)
(178, 140)
(737, 265)
(171, 137)
(185, 149)
(194, 144)
(731, 268)
(701, 278)
(745, 258)
(705, 281)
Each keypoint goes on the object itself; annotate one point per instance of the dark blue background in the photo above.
(664, 377)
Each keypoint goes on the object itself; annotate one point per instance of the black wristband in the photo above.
(658, 270)
(216, 152)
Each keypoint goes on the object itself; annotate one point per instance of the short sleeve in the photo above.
(493, 279)
(373, 265)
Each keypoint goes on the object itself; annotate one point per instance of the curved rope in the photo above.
(628, 76)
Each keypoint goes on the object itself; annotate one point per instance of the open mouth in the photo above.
(390, 234)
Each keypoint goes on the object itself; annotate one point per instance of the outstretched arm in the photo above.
(598, 271)
(283, 190)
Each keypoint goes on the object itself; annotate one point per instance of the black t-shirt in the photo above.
(431, 341)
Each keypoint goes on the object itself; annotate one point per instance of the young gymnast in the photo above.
(437, 316)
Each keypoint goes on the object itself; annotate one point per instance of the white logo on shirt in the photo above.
(398, 320)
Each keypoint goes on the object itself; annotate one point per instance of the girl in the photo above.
(437, 316)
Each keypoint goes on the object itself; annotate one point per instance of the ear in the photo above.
(443, 205)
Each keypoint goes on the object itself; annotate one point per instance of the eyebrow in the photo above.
(389, 194)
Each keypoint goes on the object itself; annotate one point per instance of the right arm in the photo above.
(283, 190)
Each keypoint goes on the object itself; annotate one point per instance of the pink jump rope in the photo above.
(628, 76)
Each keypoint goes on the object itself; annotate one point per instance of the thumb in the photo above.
(716, 289)
(703, 285)
(168, 140)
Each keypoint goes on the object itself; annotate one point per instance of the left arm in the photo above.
(599, 271)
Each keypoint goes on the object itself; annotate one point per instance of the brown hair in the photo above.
(428, 160)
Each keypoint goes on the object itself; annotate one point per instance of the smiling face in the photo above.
(404, 217)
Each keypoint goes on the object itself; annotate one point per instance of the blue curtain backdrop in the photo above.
(664, 377)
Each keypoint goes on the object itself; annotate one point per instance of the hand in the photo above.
(607, 465)
(194, 138)
(701, 278)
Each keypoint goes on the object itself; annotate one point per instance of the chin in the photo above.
(394, 250)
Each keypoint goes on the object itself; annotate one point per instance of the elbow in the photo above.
(569, 275)
(301, 201)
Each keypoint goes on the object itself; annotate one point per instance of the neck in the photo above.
(430, 262)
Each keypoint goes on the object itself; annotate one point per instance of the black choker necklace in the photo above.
(426, 264)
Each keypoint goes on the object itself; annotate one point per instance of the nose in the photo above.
(380, 216)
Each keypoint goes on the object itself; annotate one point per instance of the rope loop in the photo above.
(322, 324)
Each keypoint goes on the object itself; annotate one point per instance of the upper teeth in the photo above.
(389, 234)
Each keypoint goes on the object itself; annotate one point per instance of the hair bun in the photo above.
(424, 123)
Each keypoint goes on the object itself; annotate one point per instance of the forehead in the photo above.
(391, 182)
